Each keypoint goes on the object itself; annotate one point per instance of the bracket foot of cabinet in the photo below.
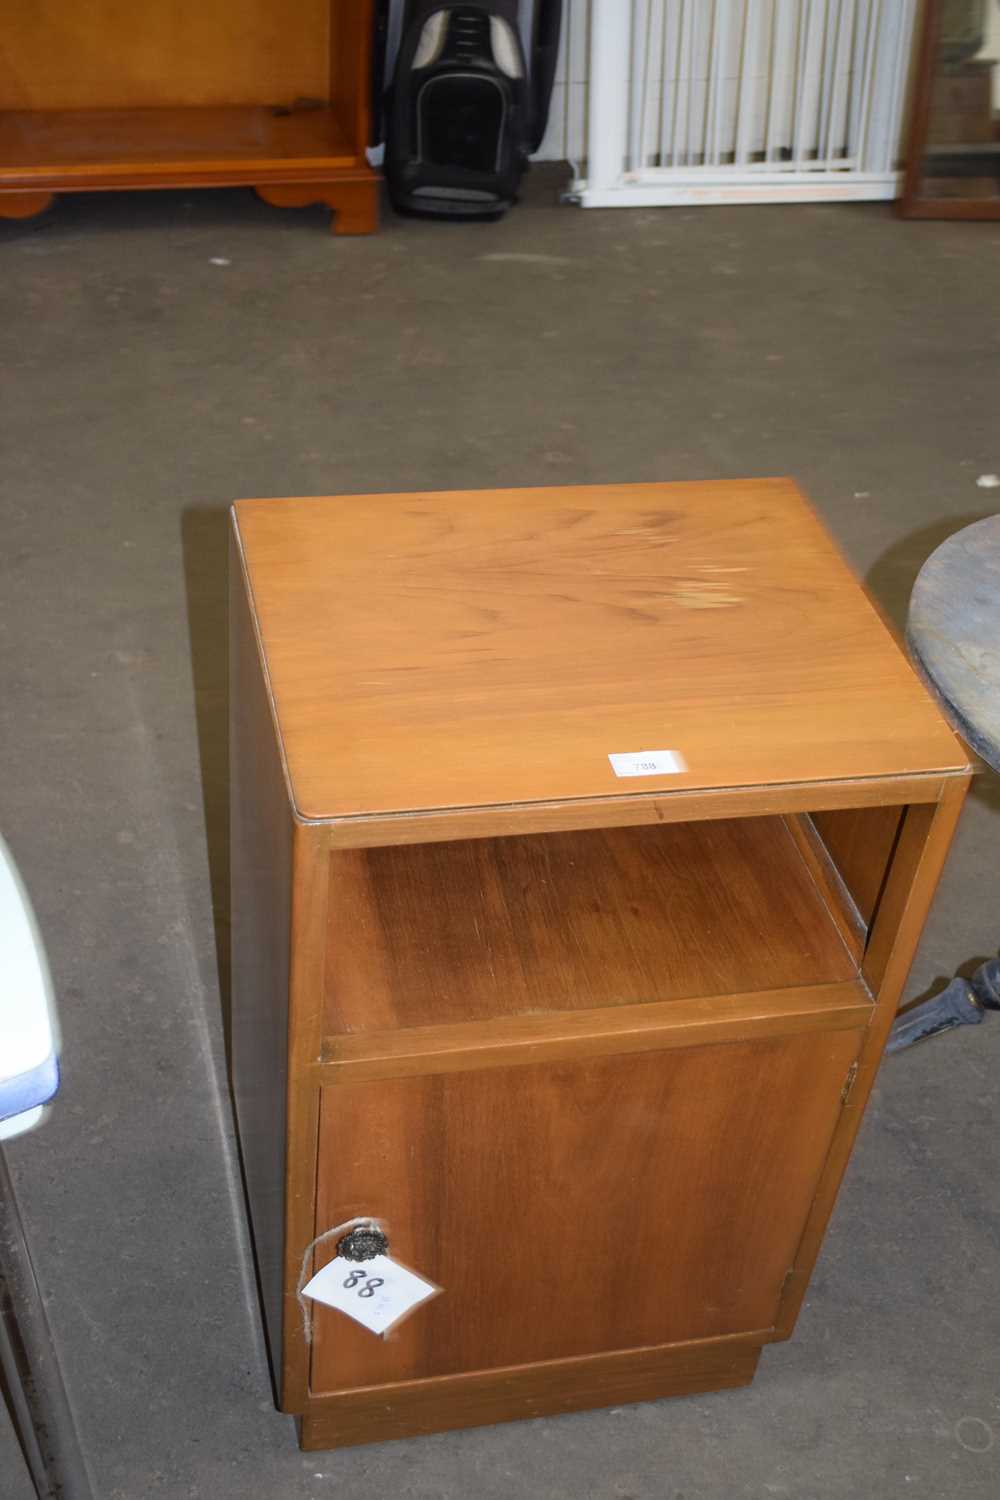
(24, 205)
(354, 204)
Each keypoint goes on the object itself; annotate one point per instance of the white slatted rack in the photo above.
(724, 101)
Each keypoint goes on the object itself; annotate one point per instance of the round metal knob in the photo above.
(363, 1243)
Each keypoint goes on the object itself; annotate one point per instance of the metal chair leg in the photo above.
(964, 1002)
(32, 1375)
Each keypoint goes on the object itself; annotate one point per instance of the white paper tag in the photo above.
(376, 1293)
(648, 763)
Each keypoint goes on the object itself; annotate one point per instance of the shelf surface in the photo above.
(466, 932)
(491, 649)
(97, 146)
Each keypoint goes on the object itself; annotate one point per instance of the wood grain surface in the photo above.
(104, 147)
(603, 1205)
(633, 810)
(60, 54)
(463, 932)
(918, 858)
(167, 95)
(829, 882)
(595, 1050)
(860, 842)
(484, 649)
(558, 1036)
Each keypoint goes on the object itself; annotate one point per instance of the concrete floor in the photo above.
(163, 354)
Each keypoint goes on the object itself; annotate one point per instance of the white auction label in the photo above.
(376, 1293)
(648, 763)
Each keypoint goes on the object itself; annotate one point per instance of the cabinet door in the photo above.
(575, 1208)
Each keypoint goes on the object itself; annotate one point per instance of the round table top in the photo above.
(954, 632)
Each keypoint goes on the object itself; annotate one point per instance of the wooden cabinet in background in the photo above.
(594, 1050)
(272, 94)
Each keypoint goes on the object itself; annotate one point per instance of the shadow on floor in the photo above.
(205, 541)
(890, 580)
(165, 211)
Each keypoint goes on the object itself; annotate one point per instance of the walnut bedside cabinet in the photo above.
(582, 839)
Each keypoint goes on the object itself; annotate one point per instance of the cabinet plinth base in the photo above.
(379, 1414)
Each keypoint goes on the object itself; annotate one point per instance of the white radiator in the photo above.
(728, 101)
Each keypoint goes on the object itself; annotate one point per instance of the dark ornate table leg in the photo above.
(964, 1003)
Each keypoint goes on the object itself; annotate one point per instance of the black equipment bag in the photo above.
(462, 113)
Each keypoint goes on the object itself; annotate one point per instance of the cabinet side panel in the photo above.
(917, 860)
(261, 884)
(860, 842)
(350, 67)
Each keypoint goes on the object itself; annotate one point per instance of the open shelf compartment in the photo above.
(82, 148)
(481, 933)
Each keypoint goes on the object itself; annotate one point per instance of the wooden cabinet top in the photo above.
(492, 649)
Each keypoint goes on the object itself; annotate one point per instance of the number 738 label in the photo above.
(376, 1293)
(648, 763)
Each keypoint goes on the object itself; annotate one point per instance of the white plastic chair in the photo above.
(29, 1078)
